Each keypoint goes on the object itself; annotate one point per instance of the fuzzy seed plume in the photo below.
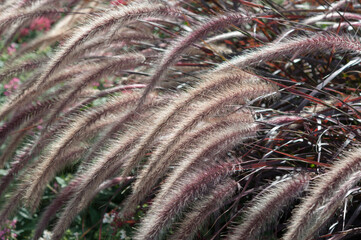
(204, 109)
(327, 192)
(181, 44)
(163, 210)
(48, 164)
(210, 85)
(158, 164)
(110, 160)
(107, 163)
(203, 209)
(18, 67)
(113, 17)
(289, 47)
(217, 144)
(28, 13)
(266, 207)
(121, 62)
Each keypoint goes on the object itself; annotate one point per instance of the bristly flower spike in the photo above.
(171, 55)
(325, 196)
(290, 47)
(266, 208)
(203, 209)
(117, 16)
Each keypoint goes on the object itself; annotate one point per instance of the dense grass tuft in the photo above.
(188, 119)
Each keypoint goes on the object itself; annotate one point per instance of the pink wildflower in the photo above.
(12, 85)
(40, 23)
(119, 2)
(6, 233)
(107, 83)
(13, 223)
(24, 32)
(95, 84)
(40, 126)
(11, 49)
